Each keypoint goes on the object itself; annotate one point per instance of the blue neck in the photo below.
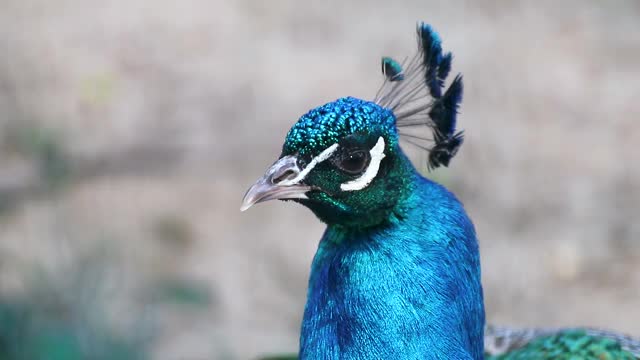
(406, 290)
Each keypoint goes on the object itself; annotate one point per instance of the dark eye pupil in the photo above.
(354, 163)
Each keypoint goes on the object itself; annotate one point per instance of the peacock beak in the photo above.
(281, 181)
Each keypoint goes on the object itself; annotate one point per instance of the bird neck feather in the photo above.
(410, 288)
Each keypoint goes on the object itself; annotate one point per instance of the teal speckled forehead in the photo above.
(325, 125)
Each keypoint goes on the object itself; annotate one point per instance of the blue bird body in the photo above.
(407, 290)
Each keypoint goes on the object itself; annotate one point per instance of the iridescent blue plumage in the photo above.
(407, 290)
(326, 124)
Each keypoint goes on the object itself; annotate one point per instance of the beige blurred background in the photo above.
(129, 131)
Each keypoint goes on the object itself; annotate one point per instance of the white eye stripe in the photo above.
(324, 155)
(377, 154)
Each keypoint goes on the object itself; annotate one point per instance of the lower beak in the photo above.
(276, 184)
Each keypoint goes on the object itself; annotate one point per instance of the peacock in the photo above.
(397, 271)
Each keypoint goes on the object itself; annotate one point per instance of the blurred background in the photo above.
(130, 130)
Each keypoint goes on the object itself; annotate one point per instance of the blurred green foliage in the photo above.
(172, 230)
(63, 313)
(46, 148)
(183, 292)
(30, 330)
(280, 357)
(68, 312)
(43, 147)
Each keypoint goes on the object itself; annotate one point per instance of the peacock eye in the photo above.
(354, 162)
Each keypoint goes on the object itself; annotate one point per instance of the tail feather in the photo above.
(507, 343)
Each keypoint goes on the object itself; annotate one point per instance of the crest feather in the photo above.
(414, 92)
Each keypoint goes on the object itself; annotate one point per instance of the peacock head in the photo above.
(343, 160)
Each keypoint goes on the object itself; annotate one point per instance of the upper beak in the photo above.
(281, 181)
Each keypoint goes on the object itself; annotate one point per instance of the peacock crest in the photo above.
(414, 104)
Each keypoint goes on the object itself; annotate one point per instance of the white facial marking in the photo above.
(377, 154)
(324, 155)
